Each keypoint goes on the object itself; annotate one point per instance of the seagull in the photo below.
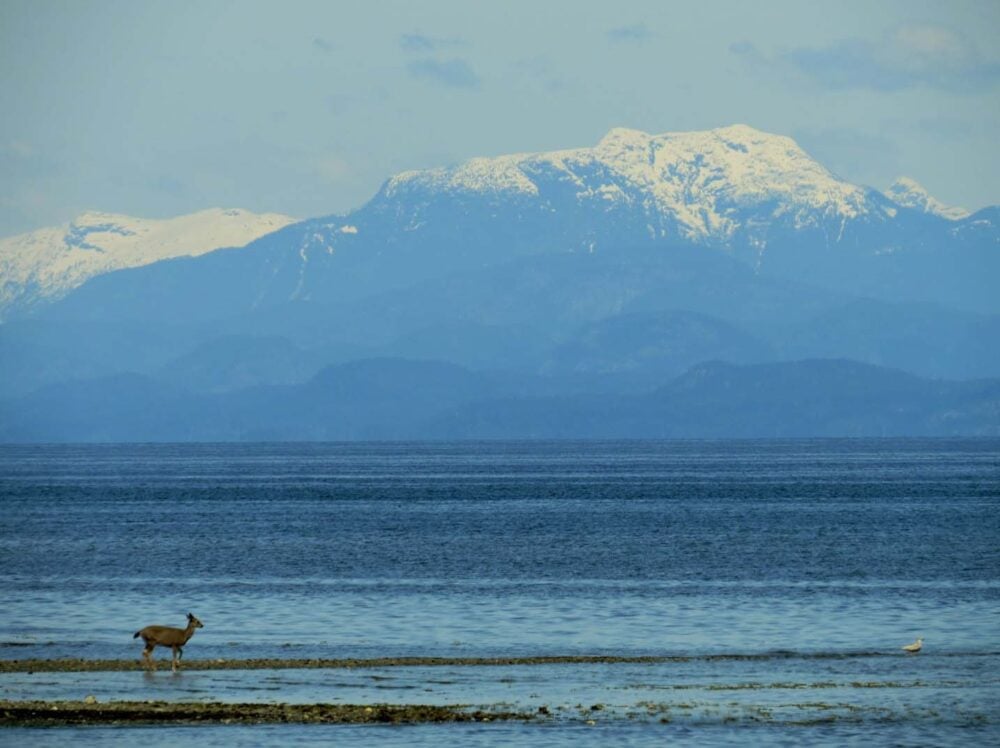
(915, 647)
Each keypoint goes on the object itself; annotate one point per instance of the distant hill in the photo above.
(388, 399)
(831, 398)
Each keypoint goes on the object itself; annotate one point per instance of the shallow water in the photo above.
(828, 554)
(476, 736)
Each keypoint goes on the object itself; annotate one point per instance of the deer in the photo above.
(167, 636)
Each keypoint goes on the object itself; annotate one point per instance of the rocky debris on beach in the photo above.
(81, 665)
(54, 713)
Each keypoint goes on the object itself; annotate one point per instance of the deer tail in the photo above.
(136, 634)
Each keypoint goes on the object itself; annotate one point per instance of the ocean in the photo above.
(769, 584)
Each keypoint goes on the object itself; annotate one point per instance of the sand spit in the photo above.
(80, 665)
(62, 713)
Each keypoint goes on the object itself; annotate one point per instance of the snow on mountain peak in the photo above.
(911, 194)
(50, 262)
(696, 179)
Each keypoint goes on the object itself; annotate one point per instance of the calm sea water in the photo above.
(816, 560)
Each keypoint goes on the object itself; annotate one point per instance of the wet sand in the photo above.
(783, 689)
(62, 713)
(81, 665)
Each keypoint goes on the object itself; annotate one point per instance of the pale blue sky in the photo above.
(160, 108)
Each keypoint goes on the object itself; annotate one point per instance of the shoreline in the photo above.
(79, 665)
(71, 665)
(68, 713)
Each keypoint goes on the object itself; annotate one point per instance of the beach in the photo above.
(782, 689)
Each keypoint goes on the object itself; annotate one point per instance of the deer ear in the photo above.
(190, 616)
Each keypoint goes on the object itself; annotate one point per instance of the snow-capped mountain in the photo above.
(737, 192)
(691, 185)
(623, 260)
(44, 265)
(909, 192)
(754, 196)
(734, 193)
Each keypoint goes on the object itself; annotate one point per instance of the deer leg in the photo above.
(173, 664)
(147, 656)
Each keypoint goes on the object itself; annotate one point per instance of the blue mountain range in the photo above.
(687, 284)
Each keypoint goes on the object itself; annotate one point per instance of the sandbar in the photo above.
(63, 713)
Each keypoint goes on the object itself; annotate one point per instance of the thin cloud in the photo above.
(323, 45)
(906, 57)
(637, 33)
(423, 44)
(453, 73)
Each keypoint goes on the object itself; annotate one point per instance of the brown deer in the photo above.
(167, 636)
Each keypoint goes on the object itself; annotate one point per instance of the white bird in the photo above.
(915, 647)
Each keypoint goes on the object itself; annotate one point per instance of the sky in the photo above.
(160, 108)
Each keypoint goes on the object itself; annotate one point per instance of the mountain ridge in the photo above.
(586, 280)
(392, 399)
(755, 196)
(44, 265)
(749, 164)
(910, 193)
